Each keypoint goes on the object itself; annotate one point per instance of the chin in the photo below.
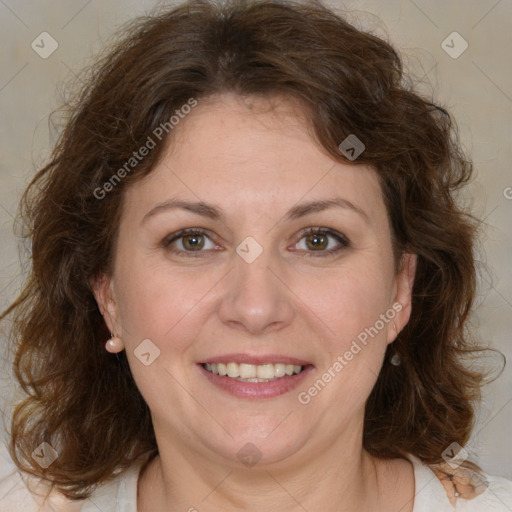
(261, 445)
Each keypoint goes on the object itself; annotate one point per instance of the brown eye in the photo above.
(322, 241)
(189, 241)
(317, 241)
(193, 242)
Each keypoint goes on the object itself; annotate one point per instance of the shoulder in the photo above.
(459, 488)
(13, 489)
(16, 490)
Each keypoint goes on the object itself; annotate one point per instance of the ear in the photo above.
(103, 290)
(402, 302)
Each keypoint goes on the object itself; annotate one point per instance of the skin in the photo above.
(255, 160)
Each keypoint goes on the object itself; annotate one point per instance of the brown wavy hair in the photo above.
(83, 400)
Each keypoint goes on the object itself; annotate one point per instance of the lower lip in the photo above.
(257, 390)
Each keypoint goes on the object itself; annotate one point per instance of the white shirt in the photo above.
(120, 494)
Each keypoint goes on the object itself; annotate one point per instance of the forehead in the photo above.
(247, 152)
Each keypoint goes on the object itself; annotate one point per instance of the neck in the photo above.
(341, 478)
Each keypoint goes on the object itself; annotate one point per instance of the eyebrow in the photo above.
(199, 208)
(214, 213)
(304, 209)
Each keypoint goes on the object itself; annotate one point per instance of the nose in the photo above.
(256, 298)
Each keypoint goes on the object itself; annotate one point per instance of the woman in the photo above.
(250, 280)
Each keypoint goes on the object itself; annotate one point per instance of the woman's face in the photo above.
(249, 288)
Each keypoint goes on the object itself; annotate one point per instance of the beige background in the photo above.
(476, 87)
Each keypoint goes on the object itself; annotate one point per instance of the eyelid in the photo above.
(169, 239)
(343, 241)
(183, 232)
(324, 231)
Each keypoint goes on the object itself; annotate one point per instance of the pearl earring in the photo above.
(114, 345)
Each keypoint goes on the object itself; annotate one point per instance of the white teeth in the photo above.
(247, 371)
(233, 370)
(221, 367)
(279, 370)
(251, 372)
(255, 380)
(265, 371)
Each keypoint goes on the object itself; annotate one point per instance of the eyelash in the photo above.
(341, 239)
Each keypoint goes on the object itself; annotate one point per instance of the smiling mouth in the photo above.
(253, 372)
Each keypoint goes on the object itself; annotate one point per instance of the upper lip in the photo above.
(255, 359)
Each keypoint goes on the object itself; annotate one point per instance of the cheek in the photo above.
(348, 300)
(163, 303)
(349, 306)
(370, 318)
